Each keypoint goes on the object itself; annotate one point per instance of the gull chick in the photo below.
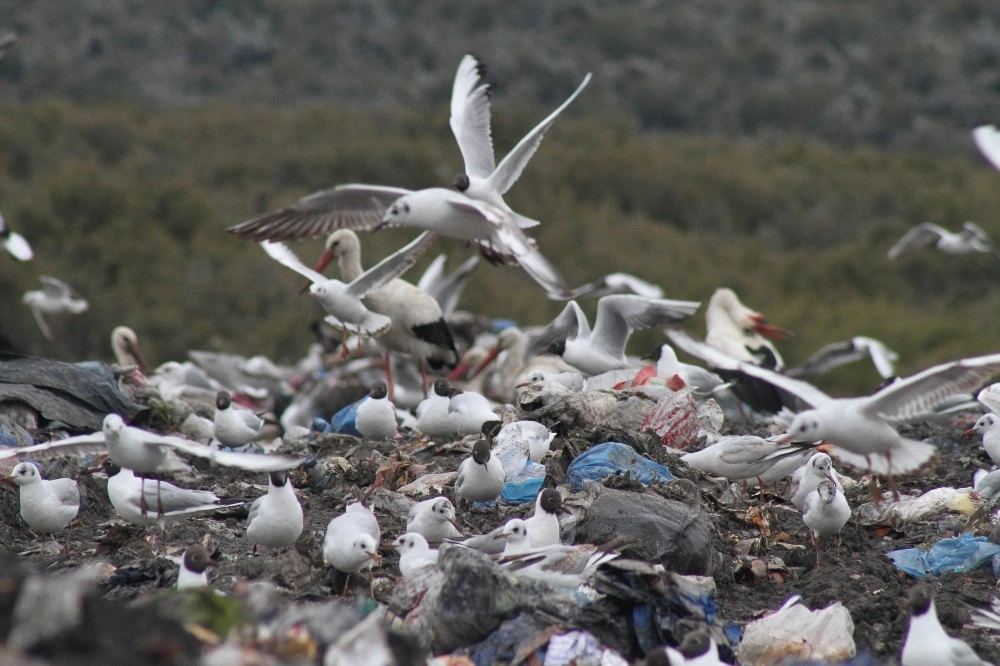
(47, 506)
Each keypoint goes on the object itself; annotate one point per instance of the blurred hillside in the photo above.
(132, 134)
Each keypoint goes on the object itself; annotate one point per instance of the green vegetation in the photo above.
(129, 207)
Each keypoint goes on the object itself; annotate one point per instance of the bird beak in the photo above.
(566, 510)
(454, 523)
(140, 360)
(500, 535)
(211, 563)
(375, 557)
(489, 358)
(770, 331)
(323, 262)
(8, 481)
(970, 431)
(785, 439)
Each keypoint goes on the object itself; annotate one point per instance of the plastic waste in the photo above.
(525, 486)
(343, 421)
(912, 509)
(614, 458)
(674, 419)
(795, 632)
(953, 555)
(580, 647)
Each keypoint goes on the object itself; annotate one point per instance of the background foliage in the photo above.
(777, 148)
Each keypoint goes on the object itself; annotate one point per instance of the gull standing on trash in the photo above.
(193, 572)
(559, 565)
(468, 411)
(927, 643)
(603, 348)
(415, 555)
(749, 456)
(433, 418)
(14, 243)
(232, 426)
(480, 476)
(825, 512)
(375, 418)
(344, 302)
(818, 469)
(989, 426)
(126, 494)
(275, 519)
(862, 429)
(147, 453)
(970, 239)
(434, 519)
(351, 541)
(56, 297)
(543, 525)
(47, 505)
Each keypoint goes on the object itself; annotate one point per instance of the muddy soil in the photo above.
(860, 576)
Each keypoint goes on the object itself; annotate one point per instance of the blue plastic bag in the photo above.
(343, 421)
(954, 555)
(614, 458)
(525, 486)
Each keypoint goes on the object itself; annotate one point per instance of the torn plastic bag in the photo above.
(614, 458)
(960, 554)
(525, 486)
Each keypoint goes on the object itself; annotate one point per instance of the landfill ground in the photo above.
(764, 553)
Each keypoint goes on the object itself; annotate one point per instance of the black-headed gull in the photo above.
(927, 643)
(434, 519)
(146, 452)
(14, 243)
(194, 567)
(375, 418)
(275, 519)
(346, 304)
(125, 490)
(47, 505)
(470, 122)
(747, 457)
(970, 239)
(988, 425)
(415, 555)
(543, 525)
(857, 348)
(862, 429)
(825, 512)
(432, 414)
(601, 349)
(617, 283)
(480, 476)
(697, 649)
(55, 297)
(233, 426)
(819, 468)
(987, 139)
(351, 541)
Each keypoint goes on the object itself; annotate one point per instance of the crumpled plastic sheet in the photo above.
(343, 422)
(653, 621)
(796, 632)
(580, 648)
(614, 458)
(525, 486)
(674, 419)
(960, 554)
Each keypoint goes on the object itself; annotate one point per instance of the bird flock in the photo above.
(471, 401)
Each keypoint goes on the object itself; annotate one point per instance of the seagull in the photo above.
(47, 505)
(818, 469)
(194, 568)
(351, 541)
(433, 418)
(468, 411)
(515, 536)
(232, 426)
(989, 426)
(418, 326)
(126, 494)
(747, 457)
(603, 348)
(148, 453)
(989, 397)
(275, 519)
(434, 519)
(927, 643)
(986, 484)
(862, 428)
(481, 476)
(617, 283)
(856, 349)
(415, 555)
(559, 565)
(55, 297)
(343, 302)
(14, 242)
(970, 239)
(825, 512)
(375, 418)
(446, 289)
(987, 139)
(543, 525)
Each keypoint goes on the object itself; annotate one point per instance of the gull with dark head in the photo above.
(275, 519)
(927, 643)
(232, 426)
(601, 349)
(193, 572)
(480, 476)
